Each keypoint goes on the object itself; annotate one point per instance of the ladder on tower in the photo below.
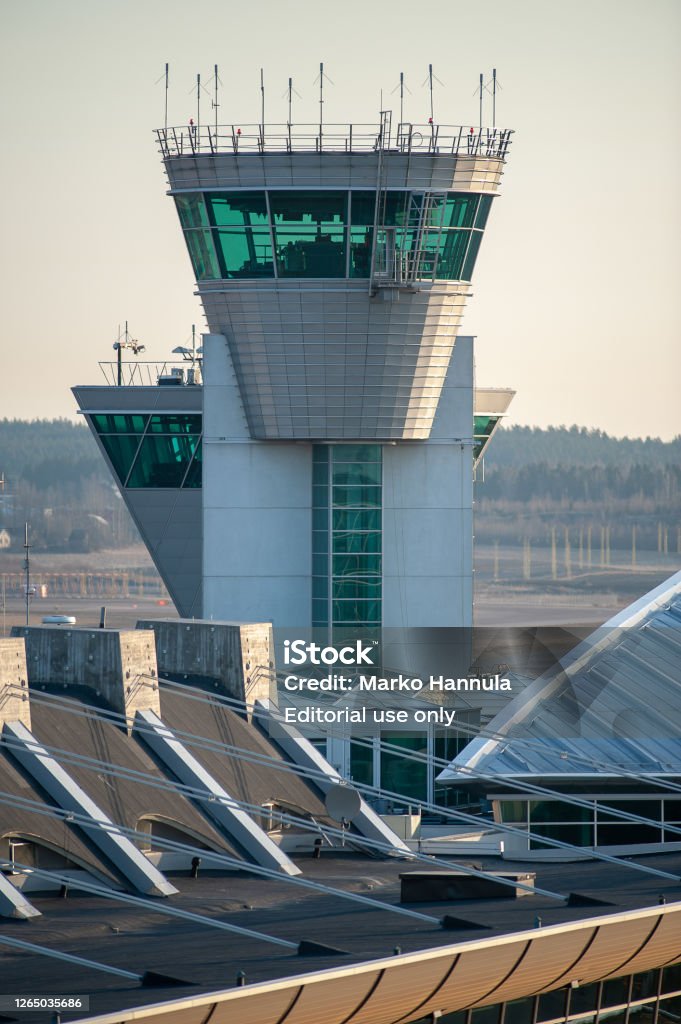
(422, 236)
(382, 268)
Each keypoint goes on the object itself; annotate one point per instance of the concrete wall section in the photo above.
(427, 513)
(119, 666)
(256, 510)
(232, 657)
(14, 703)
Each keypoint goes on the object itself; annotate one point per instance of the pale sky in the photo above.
(577, 288)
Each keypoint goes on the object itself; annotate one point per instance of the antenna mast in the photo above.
(215, 103)
(198, 104)
(430, 86)
(481, 88)
(166, 103)
(494, 97)
(262, 100)
(27, 571)
(321, 99)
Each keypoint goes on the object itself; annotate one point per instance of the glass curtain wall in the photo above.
(583, 826)
(346, 539)
(159, 450)
(649, 997)
(329, 233)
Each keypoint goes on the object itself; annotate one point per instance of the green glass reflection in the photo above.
(396, 210)
(361, 764)
(399, 774)
(360, 251)
(471, 256)
(443, 254)
(238, 209)
(245, 253)
(348, 589)
(356, 453)
(356, 497)
(460, 210)
(192, 210)
(121, 449)
(357, 519)
(484, 206)
(175, 423)
(119, 423)
(309, 231)
(162, 460)
(356, 543)
(357, 612)
(364, 474)
(353, 564)
(194, 477)
(202, 255)
(323, 211)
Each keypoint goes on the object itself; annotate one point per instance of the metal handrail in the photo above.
(407, 138)
(142, 373)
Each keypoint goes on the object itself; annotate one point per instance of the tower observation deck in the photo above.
(336, 261)
(322, 474)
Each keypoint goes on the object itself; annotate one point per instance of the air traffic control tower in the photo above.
(333, 265)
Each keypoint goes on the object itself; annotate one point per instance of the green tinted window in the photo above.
(400, 775)
(121, 449)
(396, 208)
(323, 211)
(195, 474)
(245, 253)
(357, 519)
(357, 589)
(162, 460)
(356, 543)
(359, 474)
(361, 764)
(192, 211)
(471, 256)
(450, 248)
(460, 210)
(362, 208)
(356, 453)
(356, 611)
(303, 252)
(117, 423)
(484, 206)
(360, 251)
(357, 497)
(238, 209)
(359, 565)
(175, 423)
(202, 255)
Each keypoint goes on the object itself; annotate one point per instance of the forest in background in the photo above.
(536, 485)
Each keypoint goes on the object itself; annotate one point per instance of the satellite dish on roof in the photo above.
(342, 802)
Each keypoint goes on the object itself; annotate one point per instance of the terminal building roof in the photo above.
(611, 708)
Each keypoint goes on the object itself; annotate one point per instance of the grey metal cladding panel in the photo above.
(333, 170)
(92, 398)
(393, 359)
(171, 524)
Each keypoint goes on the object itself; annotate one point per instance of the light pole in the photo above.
(27, 570)
(126, 342)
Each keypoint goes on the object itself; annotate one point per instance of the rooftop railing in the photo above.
(195, 140)
(149, 374)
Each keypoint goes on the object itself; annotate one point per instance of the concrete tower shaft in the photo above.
(337, 266)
